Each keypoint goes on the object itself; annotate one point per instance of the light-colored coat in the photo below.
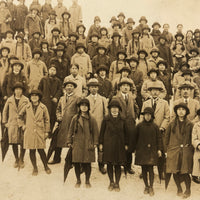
(11, 115)
(36, 126)
(147, 43)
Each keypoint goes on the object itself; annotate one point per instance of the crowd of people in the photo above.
(110, 89)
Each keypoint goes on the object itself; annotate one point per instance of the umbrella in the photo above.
(4, 142)
(53, 143)
(68, 163)
(167, 179)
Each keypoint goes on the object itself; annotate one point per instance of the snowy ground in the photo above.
(21, 185)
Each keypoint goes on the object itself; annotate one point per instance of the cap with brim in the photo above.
(146, 27)
(113, 19)
(142, 51)
(148, 110)
(125, 69)
(125, 81)
(93, 82)
(114, 103)
(80, 45)
(37, 51)
(162, 37)
(36, 92)
(132, 59)
(181, 105)
(101, 47)
(130, 20)
(20, 35)
(55, 29)
(62, 43)
(155, 88)
(179, 35)
(66, 13)
(143, 18)
(162, 62)
(70, 82)
(94, 35)
(152, 70)
(17, 62)
(116, 34)
(9, 31)
(74, 35)
(59, 48)
(105, 29)
(156, 23)
(53, 12)
(84, 101)
(121, 14)
(135, 31)
(116, 23)
(18, 85)
(7, 48)
(101, 68)
(154, 49)
(36, 32)
(12, 58)
(186, 85)
(122, 52)
(187, 72)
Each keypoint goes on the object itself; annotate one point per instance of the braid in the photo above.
(78, 116)
(90, 127)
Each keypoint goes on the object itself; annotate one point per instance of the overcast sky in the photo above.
(163, 11)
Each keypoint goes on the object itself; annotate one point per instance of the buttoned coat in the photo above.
(36, 126)
(10, 117)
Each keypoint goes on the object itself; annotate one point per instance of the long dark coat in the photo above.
(112, 51)
(178, 145)
(65, 112)
(71, 49)
(156, 34)
(114, 137)
(83, 136)
(92, 49)
(148, 142)
(21, 13)
(105, 87)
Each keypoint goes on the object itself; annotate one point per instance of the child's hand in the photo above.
(126, 147)
(159, 153)
(100, 147)
(55, 100)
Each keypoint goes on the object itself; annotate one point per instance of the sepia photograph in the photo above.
(99, 100)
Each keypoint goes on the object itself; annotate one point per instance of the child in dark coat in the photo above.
(114, 143)
(148, 148)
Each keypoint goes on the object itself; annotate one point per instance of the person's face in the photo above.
(121, 56)
(34, 98)
(9, 35)
(121, 18)
(147, 117)
(197, 35)
(4, 52)
(34, 13)
(154, 54)
(59, 53)
(194, 53)
(185, 92)
(187, 77)
(69, 88)
(37, 56)
(125, 88)
(80, 50)
(97, 23)
(18, 91)
(161, 67)
(181, 112)
(130, 24)
(189, 34)
(3, 5)
(153, 75)
(156, 27)
(133, 65)
(136, 35)
(36, 35)
(145, 31)
(155, 93)
(17, 68)
(94, 39)
(116, 39)
(162, 41)
(19, 39)
(81, 30)
(103, 32)
(116, 28)
(52, 17)
(142, 55)
(101, 51)
(73, 39)
(55, 33)
(74, 70)
(93, 89)
(143, 22)
(44, 46)
(125, 73)
(179, 28)
(166, 27)
(66, 16)
(102, 73)
(84, 107)
(114, 111)
(52, 71)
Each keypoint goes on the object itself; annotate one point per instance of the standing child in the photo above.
(11, 110)
(80, 30)
(104, 40)
(37, 128)
(156, 32)
(35, 41)
(148, 148)
(65, 25)
(92, 46)
(114, 143)
(83, 137)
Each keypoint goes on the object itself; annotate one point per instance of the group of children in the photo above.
(109, 90)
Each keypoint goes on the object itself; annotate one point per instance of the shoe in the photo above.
(151, 192)
(78, 184)
(88, 185)
(140, 176)
(35, 172)
(130, 171)
(16, 164)
(21, 164)
(146, 190)
(196, 179)
(111, 186)
(48, 170)
(186, 194)
(102, 170)
(180, 192)
(116, 187)
(54, 162)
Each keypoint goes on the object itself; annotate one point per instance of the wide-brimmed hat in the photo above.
(73, 34)
(125, 68)
(146, 27)
(53, 12)
(125, 81)
(186, 84)
(62, 43)
(80, 25)
(196, 31)
(102, 67)
(122, 51)
(181, 105)
(153, 70)
(156, 23)
(69, 82)
(18, 85)
(84, 101)
(130, 20)
(142, 51)
(97, 18)
(17, 62)
(66, 12)
(37, 92)
(59, 48)
(101, 47)
(155, 49)
(12, 57)
(154, 85)
(143, 18)
(179, 34)
(116, 23)
(135, 31)
(20, 35)
(4, 47)
(121, 14)
(94, 35)
(187, 72)
(80, 45)
(36, 32)
(114, 103)
(195, 50)
(9, 31)
(93, 82)
(162, 36)
(132, 58)
(37, 51)
(162, 62)
(148, 110)
(116, 34)
(34, 7)
(55, 29)
(113, 19)
(104, 28)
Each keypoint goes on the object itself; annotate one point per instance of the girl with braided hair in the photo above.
(83, 137)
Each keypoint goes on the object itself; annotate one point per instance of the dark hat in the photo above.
(93, 82)
(187, 72)
(80, 45)
(186, 84)
(179, 25)
(36, 51)
(73, 34)
(184, 64)
(116, 34)
(125, 68)
(148, 110)
(125, 81)
(59, 48)
(121, 14)
(162, 62)
(52, 64)
(102, 67)
(162, 36)
(55, 29)
(113, 19)
(80, 25)
(122, 51)
(197, 31)
(12, 57)
(66, 12)
(136, 31)
(116, 23)
(114, 103)
(104, 28)
(94, 35)
(97, 18)
(153, 70)
(69, 82)
(4, 47)
(53, 12)
(18, 85)
(37, 92)
(44, 41)
(179, 35)
(181, 105)
(156, 23)
(133, 58)
(130, 20)
(9, 31)
(20, 35)
(142, 51)
(146, 27)
(101, 47)
(84, 101)
(143, 18)
(154, 85)
(34, 7)
(62, 43)
(154, 49)
(195, 50)
(36, 32)
(198, 112)
(17, 62)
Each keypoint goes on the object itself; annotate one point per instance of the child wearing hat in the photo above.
(110, 29)
(92, 46)
(179, 149)
(82, 59)
(143, 22)
(83, 137)
(11, 78)
(80, 30)
(36, 70)
(169, 37)
(36, 128)
(148, 148)
(100, 59)
(54, 38)
(35, 41)
(121, 17)
(155, 33)
(113, 142)
(194, 61)
(133, 44)
(12, 108)
(117, 65)
(47, 54)
(104, 40)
